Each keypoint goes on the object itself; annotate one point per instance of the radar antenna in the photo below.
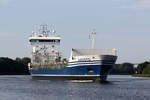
(53, 31)
(44, 30)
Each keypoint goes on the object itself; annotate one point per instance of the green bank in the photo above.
(18, 66)
(141, 75)
(142, 70)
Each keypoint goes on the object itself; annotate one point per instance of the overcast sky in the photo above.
(120, 24)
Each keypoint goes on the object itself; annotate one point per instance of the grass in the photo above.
(141, 75)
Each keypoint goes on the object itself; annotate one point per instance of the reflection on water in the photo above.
(118, 88)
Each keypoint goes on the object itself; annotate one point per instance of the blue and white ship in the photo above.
(84, 64)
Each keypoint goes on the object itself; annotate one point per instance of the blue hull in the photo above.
(79, 70)
(94, 72)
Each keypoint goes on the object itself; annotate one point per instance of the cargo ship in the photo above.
(83, 64)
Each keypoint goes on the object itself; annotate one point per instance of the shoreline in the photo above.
(141, 75)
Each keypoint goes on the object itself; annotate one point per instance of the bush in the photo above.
(9, 66)
(125, 68)
(142, 68)
(146, 70)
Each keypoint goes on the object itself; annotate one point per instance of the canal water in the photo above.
(118, 88)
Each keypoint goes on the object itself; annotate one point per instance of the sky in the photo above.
(120, 24)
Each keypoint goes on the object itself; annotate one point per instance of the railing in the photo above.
(53, 66)
(78, 52)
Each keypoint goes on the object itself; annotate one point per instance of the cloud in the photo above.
(139, 4)
(4, 2)
(143, 4)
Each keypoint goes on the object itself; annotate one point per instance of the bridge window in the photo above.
(46, 40)
(35, 40)
(57, 40)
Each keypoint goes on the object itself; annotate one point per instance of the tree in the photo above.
(125, 68)
(10, 66)
(25, 61)
(141, 67)
(128, 67)
(146, 70)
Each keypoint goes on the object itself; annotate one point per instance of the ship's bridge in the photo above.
(43, 40)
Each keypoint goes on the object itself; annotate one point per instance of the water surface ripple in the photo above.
(119, 88)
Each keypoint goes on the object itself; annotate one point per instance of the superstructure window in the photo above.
(34, 40)
(46, 40)
(57, 40)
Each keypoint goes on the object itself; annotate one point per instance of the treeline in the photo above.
(143, 68)
(129, 69)
(123, 69)
(18, 66)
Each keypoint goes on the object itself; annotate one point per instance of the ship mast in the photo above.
(44, 30)
(92, 36)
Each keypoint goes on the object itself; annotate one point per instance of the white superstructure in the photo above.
(91, 54)
(45, 45)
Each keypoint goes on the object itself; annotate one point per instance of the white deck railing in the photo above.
(79, 52)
